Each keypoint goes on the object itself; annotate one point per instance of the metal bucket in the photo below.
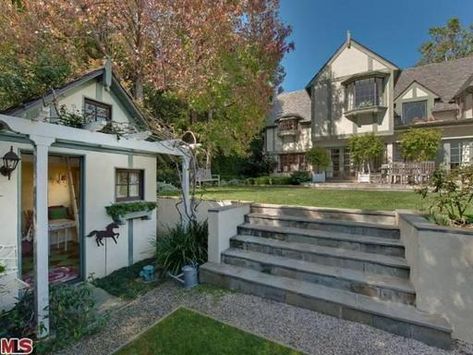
(190, 276)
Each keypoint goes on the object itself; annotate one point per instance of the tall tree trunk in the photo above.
(138, 88)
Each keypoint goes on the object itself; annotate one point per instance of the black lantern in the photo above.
(10, 162)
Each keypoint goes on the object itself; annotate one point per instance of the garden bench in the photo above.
(205, 175)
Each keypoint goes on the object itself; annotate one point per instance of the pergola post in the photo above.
(185, 190)
(41, 235)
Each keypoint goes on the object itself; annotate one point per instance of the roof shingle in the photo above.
(294, 103)
(445, 79)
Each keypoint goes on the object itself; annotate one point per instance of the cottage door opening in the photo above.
(64, 218)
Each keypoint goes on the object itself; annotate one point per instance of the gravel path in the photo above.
(303, 329)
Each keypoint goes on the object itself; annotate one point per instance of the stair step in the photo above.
(349, 259)
(350, 227)
(396, 318)
(367, 244)
(378, 286)
(357, 215)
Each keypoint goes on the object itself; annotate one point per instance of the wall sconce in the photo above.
(10, 162)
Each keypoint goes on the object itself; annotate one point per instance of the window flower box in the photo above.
(144, 215)
(121, 212)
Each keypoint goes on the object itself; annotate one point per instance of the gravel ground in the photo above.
(302, 329)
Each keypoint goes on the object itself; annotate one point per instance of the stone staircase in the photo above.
(345, 263)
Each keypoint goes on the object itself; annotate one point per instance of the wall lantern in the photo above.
(10, 162)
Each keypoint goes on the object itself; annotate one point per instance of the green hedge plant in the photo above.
(300, 177)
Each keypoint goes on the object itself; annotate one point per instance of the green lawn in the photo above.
(188, 332)
(304, 196)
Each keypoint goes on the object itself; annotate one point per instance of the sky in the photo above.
(394, 29)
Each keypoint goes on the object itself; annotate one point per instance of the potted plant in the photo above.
(364, 150)
(319, 158)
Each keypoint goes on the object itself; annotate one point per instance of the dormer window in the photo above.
(414, 111)
(363, 93)
(97, 111)
(288, 126)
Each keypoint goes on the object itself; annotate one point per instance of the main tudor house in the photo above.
(357, 91)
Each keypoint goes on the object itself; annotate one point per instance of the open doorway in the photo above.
(64, 218)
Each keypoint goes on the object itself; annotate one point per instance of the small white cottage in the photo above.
(59, 172)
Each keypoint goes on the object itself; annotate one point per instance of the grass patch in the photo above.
(305, 196)
(188, 332)
(125, 282)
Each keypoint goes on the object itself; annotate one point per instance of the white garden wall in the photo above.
(441, 261)
(168, 214)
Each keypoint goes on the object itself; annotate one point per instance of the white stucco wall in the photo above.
(99, 173)
(329, 96)
(96, 91)
(168, 215)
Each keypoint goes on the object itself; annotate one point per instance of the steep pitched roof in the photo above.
(446, 78)
(294, 103)
(96, 74)
(350, 42)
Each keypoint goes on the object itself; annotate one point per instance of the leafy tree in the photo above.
(319, 158)
(364, 149)
(447, 42)
(213, 64)
(419, 144)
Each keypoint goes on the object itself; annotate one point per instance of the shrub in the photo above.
(281, 180)
(450, 194)
(419, 144)
(364, 149)
(164, 187)
(72, 316)
(182, 246)
(250, 181)
(263, 180)
(299, 177)
(319, 158)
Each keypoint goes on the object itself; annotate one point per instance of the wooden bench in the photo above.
(205, 175)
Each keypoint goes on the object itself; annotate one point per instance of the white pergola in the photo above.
(42, 136)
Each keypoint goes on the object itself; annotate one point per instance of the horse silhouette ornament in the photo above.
(107, 233)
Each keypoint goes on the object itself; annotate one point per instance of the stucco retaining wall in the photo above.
(441, 261)
(169, 210)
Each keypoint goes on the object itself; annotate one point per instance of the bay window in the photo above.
(364, 93)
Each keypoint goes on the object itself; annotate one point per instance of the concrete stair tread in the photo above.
(385, 281)
(316, 249)
(392, 310)
(323, 221)
(326, 234)
(325, 209)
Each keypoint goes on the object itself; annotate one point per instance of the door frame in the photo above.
(81, 236)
